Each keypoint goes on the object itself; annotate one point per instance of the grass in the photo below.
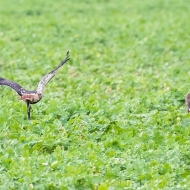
(114, 116)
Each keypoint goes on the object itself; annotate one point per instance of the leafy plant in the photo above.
(114, 116)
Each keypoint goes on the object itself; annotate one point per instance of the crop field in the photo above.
(114, 116)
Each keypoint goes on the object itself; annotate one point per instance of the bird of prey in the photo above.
(187, 102)
(33, 96)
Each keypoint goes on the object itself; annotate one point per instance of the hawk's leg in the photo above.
(28, 108)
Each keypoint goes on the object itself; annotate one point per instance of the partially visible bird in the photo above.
(187, 102)
(34, 96)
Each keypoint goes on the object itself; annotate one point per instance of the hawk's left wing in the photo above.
(19, 89)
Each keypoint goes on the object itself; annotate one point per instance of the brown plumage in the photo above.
(34, 96)
(187, 102)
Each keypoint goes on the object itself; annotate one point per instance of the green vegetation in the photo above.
(114, 116)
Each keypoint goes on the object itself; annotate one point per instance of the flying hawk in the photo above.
(34, 96)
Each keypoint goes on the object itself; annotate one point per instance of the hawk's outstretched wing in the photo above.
(49, 76)
(12, 84)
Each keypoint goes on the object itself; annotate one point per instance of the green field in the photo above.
(113, 117)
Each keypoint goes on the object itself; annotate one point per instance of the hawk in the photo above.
(33, 96)
(187, 102)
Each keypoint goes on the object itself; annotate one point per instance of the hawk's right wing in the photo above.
(49, 76)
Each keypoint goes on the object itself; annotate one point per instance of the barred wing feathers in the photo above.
(49, 76)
